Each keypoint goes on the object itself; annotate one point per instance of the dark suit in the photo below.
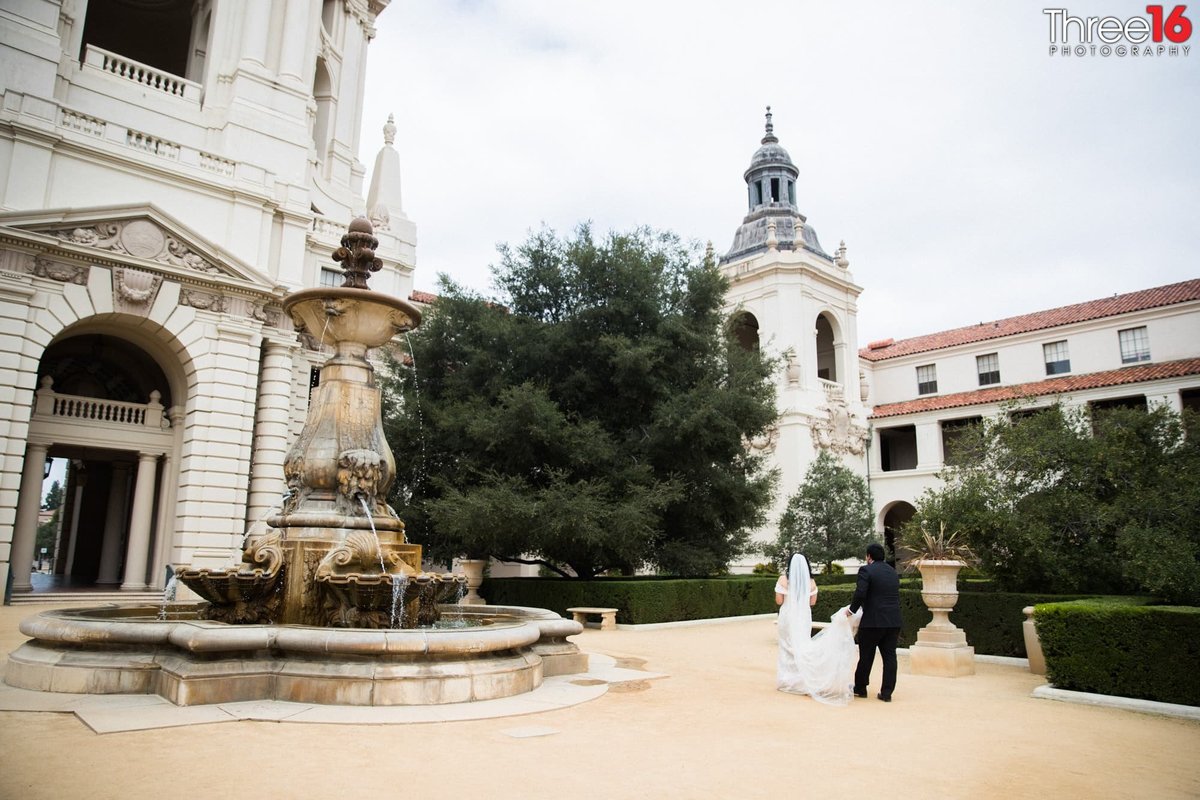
(878, 594)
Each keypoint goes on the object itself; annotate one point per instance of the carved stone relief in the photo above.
(57, 271)
(134, 291)
(206, 301)
(838, 432)
(766, 441)
(138, 237)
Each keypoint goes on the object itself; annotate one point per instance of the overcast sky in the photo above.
(972, 175)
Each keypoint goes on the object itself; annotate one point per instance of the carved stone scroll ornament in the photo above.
(57, 271)
(266, 314)
(838, 432)
(765, 442)
(141, 238)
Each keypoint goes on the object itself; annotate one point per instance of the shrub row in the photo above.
(1119, 646)
(991, 619)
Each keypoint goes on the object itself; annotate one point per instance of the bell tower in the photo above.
(790, 297)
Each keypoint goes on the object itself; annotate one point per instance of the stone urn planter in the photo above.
(473, 569)
(941, 648)
(1033, 645)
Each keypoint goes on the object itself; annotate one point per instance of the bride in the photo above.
(820, 666)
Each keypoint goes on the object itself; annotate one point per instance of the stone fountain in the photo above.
(330, 604)
(336, 555)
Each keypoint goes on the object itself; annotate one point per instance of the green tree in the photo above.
(1071, 501)
(47, 532)
(829, 517)
(54, 497)
(593, 418)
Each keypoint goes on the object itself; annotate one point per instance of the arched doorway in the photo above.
(894, 518)
(103, 404)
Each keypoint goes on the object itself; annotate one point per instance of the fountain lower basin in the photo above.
(189, 661)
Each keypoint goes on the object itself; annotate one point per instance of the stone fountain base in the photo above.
(126, 650)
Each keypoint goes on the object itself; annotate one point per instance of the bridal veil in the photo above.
(820, 666)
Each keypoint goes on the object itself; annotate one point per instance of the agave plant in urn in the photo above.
(941, 648)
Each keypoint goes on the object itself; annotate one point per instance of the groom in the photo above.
(878, 594)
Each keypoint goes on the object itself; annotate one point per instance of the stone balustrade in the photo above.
(143, 74)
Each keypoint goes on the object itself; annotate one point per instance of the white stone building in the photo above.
(1136, 349)
(169, 170)
(890, 411)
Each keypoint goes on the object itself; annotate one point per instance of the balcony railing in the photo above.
(93, 409)
(142, 74)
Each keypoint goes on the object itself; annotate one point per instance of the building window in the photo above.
(331, 277)
(1135, 345)
(927, 379)
(898, 448)
(953, 431)
(1058, 360)
(989, 368)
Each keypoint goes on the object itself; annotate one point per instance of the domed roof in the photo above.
(772, 153)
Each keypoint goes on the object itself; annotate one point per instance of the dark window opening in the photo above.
(156, 34)
(1136, 402)
(314, 380)
(1190, 399)
(757, 190)
(1026, 413)
(745, 331)
(826, 350)
(791, 193)
(953, 431)
(898, 448)
(774, 190)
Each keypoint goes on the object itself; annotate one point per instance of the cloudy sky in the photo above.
(972, 175)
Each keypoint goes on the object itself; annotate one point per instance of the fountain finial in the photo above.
(389, 130)
(357, 254)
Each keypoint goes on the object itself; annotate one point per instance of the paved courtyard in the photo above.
(710, 726)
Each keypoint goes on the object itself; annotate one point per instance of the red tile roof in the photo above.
(1080, 312)
(418, 296)
(1068, 383)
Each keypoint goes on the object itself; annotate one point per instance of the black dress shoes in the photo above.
(887, 699)
(860, 692)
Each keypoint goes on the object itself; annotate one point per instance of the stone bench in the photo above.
(608, 616)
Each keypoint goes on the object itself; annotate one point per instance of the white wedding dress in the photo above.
(820, 666)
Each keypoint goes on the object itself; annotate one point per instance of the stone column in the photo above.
(256, 27)
(136, 554)
(296, 22)
(79, 479)
(114, 526)
(271, 436)
(25, 528)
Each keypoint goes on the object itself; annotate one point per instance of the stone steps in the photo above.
(88, 598)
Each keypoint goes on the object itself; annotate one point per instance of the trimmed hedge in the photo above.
(1120, 646)
(640, 600)
(991, 619)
